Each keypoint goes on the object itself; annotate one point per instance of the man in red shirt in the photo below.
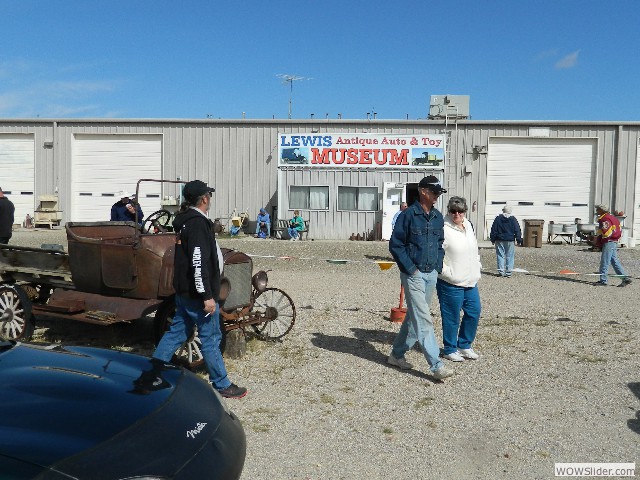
(609, 231)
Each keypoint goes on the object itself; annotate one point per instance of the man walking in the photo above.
(7, 211)
(607, 236)
(416, 246)
(505, 230)
(196, 280)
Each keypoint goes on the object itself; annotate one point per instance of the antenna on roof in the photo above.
(286, 78)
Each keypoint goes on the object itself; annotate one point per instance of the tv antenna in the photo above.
(286, 78)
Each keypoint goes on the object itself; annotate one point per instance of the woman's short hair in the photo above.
(457, 203)
(296, 212)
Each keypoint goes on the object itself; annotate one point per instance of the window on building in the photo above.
(308, 198)
(358, 198)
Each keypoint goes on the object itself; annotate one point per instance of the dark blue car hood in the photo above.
(57, 401)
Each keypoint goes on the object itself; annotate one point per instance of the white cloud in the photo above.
(568, 61)
(11, 68)
(24, 93)
(546, 54)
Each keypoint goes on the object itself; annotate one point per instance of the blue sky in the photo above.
(517, 60)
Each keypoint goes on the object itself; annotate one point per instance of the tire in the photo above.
(16, 320)
(279, 312)
(189, 354)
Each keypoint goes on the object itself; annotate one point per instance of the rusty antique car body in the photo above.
(116, 272)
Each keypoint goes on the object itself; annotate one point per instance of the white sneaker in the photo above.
(399, 362)
(442, 372)
(468, 353)
(454, 357)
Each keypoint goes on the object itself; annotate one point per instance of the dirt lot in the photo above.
(558, 379)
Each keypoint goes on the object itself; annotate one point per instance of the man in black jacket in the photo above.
(196, 280)
(504, 231)
(7, 211)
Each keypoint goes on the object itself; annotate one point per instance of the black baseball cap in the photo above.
(196, 188)
(432, 183)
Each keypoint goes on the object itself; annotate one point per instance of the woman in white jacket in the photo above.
(457, 285)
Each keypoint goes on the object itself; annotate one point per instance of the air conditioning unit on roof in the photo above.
(443, 107)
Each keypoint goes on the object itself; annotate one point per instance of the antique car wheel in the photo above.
(16, 321)
(189, 354)
(159, 220)
(278, 311)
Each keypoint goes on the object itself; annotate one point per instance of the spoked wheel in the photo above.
(16, 321)
(189, 354)
(279, 313)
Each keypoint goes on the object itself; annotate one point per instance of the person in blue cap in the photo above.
(263, 224)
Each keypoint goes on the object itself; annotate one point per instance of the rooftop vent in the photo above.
(443, 107)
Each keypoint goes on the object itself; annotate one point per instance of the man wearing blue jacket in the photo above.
(263, 224)
(196, 280)
(125, 209)
(505, 230)
(416, 246)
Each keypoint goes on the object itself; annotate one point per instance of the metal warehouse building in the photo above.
(346, 176)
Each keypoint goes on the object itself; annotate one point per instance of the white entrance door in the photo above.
(392, 195)
(104, 165)
(17, 158)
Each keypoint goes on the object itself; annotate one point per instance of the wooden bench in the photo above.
(283, 226)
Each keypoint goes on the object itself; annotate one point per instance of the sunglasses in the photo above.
(457, 212)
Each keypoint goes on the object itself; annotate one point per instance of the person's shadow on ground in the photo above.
(362, 345)
(634, 423)
(562, 278)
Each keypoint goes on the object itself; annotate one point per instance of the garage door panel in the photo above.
(547, 178)
(106, 164)
(17, 164)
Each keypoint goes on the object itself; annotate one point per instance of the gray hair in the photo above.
(457, 203)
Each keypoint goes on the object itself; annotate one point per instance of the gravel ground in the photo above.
(558, 379)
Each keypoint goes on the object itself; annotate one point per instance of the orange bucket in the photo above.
(397, 314)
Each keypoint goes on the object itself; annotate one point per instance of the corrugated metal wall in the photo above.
(238, 158)
(334, 224)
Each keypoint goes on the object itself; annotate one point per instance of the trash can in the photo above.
(533, 233)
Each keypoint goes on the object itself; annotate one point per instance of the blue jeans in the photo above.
(417, 325)
(608, 257)
(267, 227)
(505, 253)
(453, 299)
(293, 232)
(190, 313)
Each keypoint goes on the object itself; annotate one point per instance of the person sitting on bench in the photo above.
(296, 225)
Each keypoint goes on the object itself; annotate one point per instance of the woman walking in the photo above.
(457, 285)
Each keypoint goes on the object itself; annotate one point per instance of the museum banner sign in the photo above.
(362, 150)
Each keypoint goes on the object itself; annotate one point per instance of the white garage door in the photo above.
(17, 158)
(104, 165)
(541, 178)
(636, 205)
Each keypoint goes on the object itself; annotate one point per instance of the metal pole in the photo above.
(290, 96)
